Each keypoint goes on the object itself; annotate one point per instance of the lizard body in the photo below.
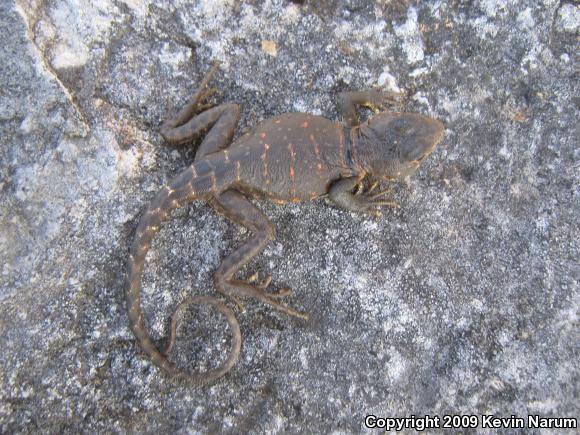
(291, 157)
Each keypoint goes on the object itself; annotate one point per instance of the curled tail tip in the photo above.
(234, 353)
(161, 357)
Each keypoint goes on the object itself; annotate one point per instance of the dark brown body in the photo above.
(291, 157)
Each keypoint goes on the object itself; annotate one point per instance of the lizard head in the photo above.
(393, 145)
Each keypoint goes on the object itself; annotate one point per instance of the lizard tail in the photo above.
(186, 187)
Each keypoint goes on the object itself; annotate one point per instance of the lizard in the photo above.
(291, 157)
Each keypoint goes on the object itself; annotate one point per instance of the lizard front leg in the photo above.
(240, 210)
(373, 99)
(344, 195)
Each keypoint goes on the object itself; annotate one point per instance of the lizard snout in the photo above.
(420, 136)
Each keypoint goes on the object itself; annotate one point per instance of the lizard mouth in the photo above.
(437, 129)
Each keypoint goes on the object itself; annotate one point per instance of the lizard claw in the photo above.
(204, 94)
(195, 105)
(389, 203)
(372, 187)
(380, 193)
(282, 293)
(263, 285)
(372, 198)
(208, 76)
(233, 288)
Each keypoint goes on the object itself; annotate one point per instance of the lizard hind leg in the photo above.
(195, 119)
(193, 106)
(240, 210)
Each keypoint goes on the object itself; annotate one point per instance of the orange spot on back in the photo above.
(305, 124)
(291, 171)
(313, 195)
(262, 135)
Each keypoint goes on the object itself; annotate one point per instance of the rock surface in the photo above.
(464, 301)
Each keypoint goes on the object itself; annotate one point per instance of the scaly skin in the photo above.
(292, 157)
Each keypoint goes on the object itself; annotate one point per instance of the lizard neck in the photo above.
(357, 151)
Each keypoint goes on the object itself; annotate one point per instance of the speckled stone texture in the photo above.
(464, 301)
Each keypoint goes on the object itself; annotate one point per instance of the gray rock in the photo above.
(464, 301)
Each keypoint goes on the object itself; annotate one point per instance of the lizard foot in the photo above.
(355, 194)
(203, 92)
(282, 293)
(381, 192)
(238, 288)
(265, 283)
(380, 100)
(371, 201)
(196, 104)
